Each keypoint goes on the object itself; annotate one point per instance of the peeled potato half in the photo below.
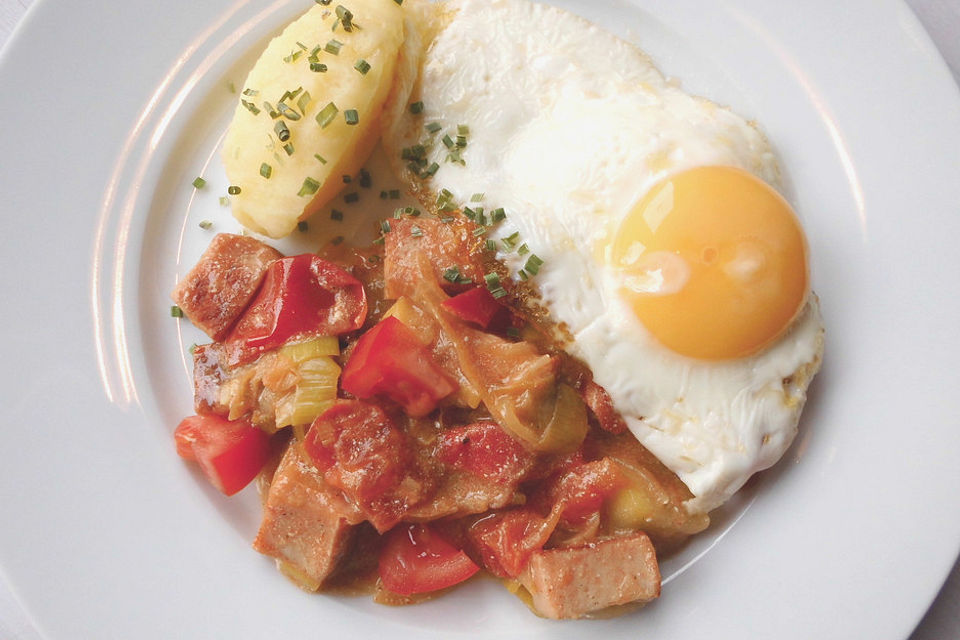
(309, 111)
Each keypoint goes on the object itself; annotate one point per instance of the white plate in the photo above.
(108, 115)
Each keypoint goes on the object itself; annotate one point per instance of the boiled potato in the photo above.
(293, 135)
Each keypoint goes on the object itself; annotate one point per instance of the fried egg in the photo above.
(677, 270)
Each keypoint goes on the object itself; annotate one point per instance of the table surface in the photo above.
(941, 18)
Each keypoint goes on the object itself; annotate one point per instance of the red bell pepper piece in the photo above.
(300, 296)
(230, 452)
(477, 306)
(390, 360)
(416, 559)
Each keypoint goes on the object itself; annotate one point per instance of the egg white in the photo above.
(569, 126)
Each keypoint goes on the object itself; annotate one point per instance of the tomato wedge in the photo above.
(299, 296)
(416, 559)
(476, 306)
(486, 450)
(390, 360)
(230, 452)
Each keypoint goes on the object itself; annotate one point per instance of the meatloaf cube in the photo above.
(571, 582)
(305, 521)
(219, 287)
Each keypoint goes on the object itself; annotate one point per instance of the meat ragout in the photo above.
(411, 427)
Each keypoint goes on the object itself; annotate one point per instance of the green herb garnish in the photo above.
(309, 187)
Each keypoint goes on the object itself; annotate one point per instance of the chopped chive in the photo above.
(498, 214)
(224, 201)
(193, 348)
(384, 195)
(176, 311)
(479, 231)
(250, 92)
(398, 213)
(323, 2)
(252, 108)
(394, 194)
(199, 183)
(492, 280)
(320, 158)
(303, 102)
(523, 249)
(337, 240)
(523, 275)
(447, 141)
(205, 224)
(288, 148)
(346, 17)
(318, 67)
(477, 197)
(432, 169)
(301, 45)
(266, 170)
(302, 226)
(400, 2)
(351, 116)
(463, 130)
(533, 264)
(309, 187)
(513, 332)
(416, 107)
(280, 128)
(365, 179)
(491, 244)
(452, 274)
(287, 112)
(385, 226)
(433, 127)
(292, 56)
(290, 95)
(461, 142)
(336, 214)
(327, 114)
(470, 213)
(511, 240)
(380, 240)
(333, 47)
(353, 196)
(446, 219)
(336, 23)
(416, 231)
(231, 87)
(346, 179)
(233, 190)
(362, 66)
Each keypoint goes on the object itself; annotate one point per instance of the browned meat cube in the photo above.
(571, 582)
(444, 244)
(219, 287)
(306, 523)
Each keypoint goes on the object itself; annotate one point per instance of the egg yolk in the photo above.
(713, 261)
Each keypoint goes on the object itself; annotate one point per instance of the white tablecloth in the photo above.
(941, 19)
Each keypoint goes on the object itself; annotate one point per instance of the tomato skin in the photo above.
(229, 452)
(390, 360)
(581, 490)
(299, 296)
(476, 306)
(486, 450)
(506, 540)
(416, 559)
(360, 451)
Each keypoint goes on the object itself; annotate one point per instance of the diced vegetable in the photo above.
(361, 451)
(477, 306)
(230, 452)
(300, 296)
(389, 360)
(484, 449)
(416, 559)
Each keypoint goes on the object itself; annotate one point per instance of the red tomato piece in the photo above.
(299, 296)
(416, 559)
(477, 306)
(390, 360)
(583, 489)
(506, 540)
(230, 452)
(483, 448)
(360, 450)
